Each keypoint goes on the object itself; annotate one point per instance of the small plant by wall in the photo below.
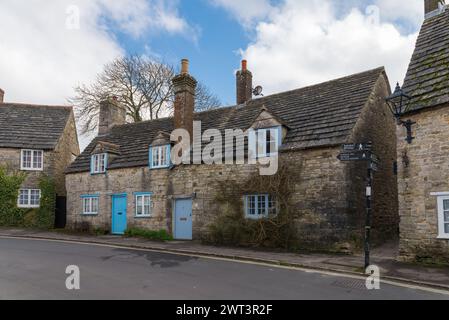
(277, 231)
(160, 235)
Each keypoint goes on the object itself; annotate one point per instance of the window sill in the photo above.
(443, 237)
(159, 168)
(143, 217)
(28, 207)
(89, 214)
(30, 170)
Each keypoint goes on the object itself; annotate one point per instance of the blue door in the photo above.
(119, 203)
(183, 219)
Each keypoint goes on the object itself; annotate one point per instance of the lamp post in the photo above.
(398, 103)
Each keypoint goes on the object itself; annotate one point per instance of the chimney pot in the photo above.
(185, 66)
(2, 95)
(244, 84)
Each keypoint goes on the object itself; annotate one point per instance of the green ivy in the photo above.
(12, 216)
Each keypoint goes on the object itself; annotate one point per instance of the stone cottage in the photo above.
(125, 177)
(424, 163)
(38, 140)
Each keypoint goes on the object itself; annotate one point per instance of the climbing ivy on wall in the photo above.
(232, 228)
(10, 184)
(11, 215)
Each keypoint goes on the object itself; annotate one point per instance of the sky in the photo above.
(47, 47)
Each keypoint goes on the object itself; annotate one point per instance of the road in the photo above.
(32, 269)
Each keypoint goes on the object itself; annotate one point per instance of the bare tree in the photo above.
(142, 86)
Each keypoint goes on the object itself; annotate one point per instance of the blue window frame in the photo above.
(143, 204)
(265, 143)
(91, 204)
(259, 206)
(160, 156)
(99, 163)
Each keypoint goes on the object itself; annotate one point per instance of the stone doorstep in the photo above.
(315, 264)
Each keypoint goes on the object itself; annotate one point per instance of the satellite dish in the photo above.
(258, 91)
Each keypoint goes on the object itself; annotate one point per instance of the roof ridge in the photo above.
(35, 105)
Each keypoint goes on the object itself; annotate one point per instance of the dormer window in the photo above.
(160, 156)
(99, 163)
(265, 142)
(32, 160)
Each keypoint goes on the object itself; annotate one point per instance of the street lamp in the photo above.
(398, 103)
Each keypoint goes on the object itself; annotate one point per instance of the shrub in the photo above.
(161, 235)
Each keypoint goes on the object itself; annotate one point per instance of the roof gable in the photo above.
(427, 79)
(32, 126)
(316, 116)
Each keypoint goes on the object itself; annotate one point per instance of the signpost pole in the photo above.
(369, 191)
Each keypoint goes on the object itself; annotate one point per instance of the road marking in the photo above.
(302, 269)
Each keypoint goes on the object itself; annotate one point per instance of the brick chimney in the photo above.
(111, 114)
(430, 6)
(244, 84)
(2, 95)
(184, 87)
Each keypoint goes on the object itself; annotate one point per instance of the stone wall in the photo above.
(65, 152)
(377, 125)
(320, 195)
(10, 158)
(423, 168)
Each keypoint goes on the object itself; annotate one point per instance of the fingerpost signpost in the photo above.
(363, 152)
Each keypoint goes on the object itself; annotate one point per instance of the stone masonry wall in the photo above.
(319, 197)
(10, 158)
(423, 169)
(65, 152)
(377, 125)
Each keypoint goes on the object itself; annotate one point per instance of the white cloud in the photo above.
(246, 11)
(41, 60)
(307, 42)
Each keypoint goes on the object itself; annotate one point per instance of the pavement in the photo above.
(36, 269)
(384, 257)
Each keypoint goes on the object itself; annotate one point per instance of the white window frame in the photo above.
(267, 211)
(28, 204)
(258, 141)
(162, 153)
(99, 163)
(143, 197)
(33, 155)
(442, 234)
(89, 200)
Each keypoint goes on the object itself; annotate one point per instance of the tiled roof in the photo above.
(31, 126)
(427, 80)
(317, 116)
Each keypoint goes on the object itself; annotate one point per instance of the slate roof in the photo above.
(31, 126)
(317, 116)
(427, 80)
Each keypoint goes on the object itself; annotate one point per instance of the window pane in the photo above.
(262, 205)
(23, 197)
(446, 216)
(26, 159)
(446, 228)
(95, 205)
(147, 210)
(251, 200)
(446, 205)
(35, 197)
(37, 159)
(139, 202)
(86, 205)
